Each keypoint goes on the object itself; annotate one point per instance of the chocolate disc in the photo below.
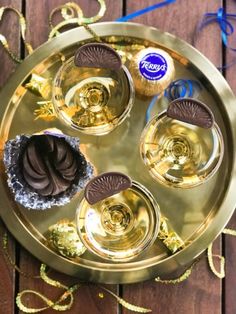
(96, 55)
(105, 185)
(191, 111)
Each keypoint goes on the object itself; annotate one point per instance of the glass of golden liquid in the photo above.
(117, 219)
(183, 146)
(92, 91)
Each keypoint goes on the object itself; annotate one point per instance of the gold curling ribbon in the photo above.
(67, 294)
(179, 279)
(230, 232)
(72, 14)
(22, 23)
(220, 274)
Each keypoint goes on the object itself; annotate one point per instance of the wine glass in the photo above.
(120, 221)
(93, 97)
(183, 146)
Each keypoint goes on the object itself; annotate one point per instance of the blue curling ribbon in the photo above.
(182, 88)
(226, 27)
(177, 89)
(145, 10)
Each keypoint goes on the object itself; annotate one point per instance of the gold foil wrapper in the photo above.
(146, 86)
(39, 86)
(169, 237)
(64, 238)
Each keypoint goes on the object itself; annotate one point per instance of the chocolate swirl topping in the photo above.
(49, 164)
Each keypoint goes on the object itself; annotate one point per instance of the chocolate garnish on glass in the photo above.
(106, 185)
(191, 111)
(97, 55)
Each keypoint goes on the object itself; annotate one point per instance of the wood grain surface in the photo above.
(202, 293)
(229, 242)
(8, 277)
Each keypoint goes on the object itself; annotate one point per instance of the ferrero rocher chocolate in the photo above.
(152, 70)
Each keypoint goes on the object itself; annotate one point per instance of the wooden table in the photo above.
(202, 293)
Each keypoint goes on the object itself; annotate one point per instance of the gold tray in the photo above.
(198, 215)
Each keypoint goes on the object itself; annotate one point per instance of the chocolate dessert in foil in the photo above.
(45, 170)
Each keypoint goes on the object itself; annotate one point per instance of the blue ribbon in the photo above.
(177, 89)
(222, 18)
(145, 10)
(182, 88)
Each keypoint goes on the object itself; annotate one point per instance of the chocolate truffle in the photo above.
(152, 70)
(45, 169)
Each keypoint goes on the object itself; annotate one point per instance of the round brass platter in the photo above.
(198, 215)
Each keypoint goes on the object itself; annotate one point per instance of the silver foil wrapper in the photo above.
(23, 193)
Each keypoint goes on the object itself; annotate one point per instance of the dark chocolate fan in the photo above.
(105, 185)
(49, 164)
(191, 111)
(96, 55)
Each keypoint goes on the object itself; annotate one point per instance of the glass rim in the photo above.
(93, 129)
(219, 134)
(148, 241)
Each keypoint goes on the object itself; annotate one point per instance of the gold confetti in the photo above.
(45, 111)
(169, 237)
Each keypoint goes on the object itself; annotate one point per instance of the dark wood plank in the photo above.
(9, 23)
(229, 241)
(229, 283)
(7, 273)
(87, 299)
(40, 24)
(201, 293)
(180, 18)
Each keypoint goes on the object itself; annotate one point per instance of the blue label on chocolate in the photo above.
(153, 66)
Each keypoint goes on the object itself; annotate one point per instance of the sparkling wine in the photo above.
(92, 100)
(120, 226)
(179, 154)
